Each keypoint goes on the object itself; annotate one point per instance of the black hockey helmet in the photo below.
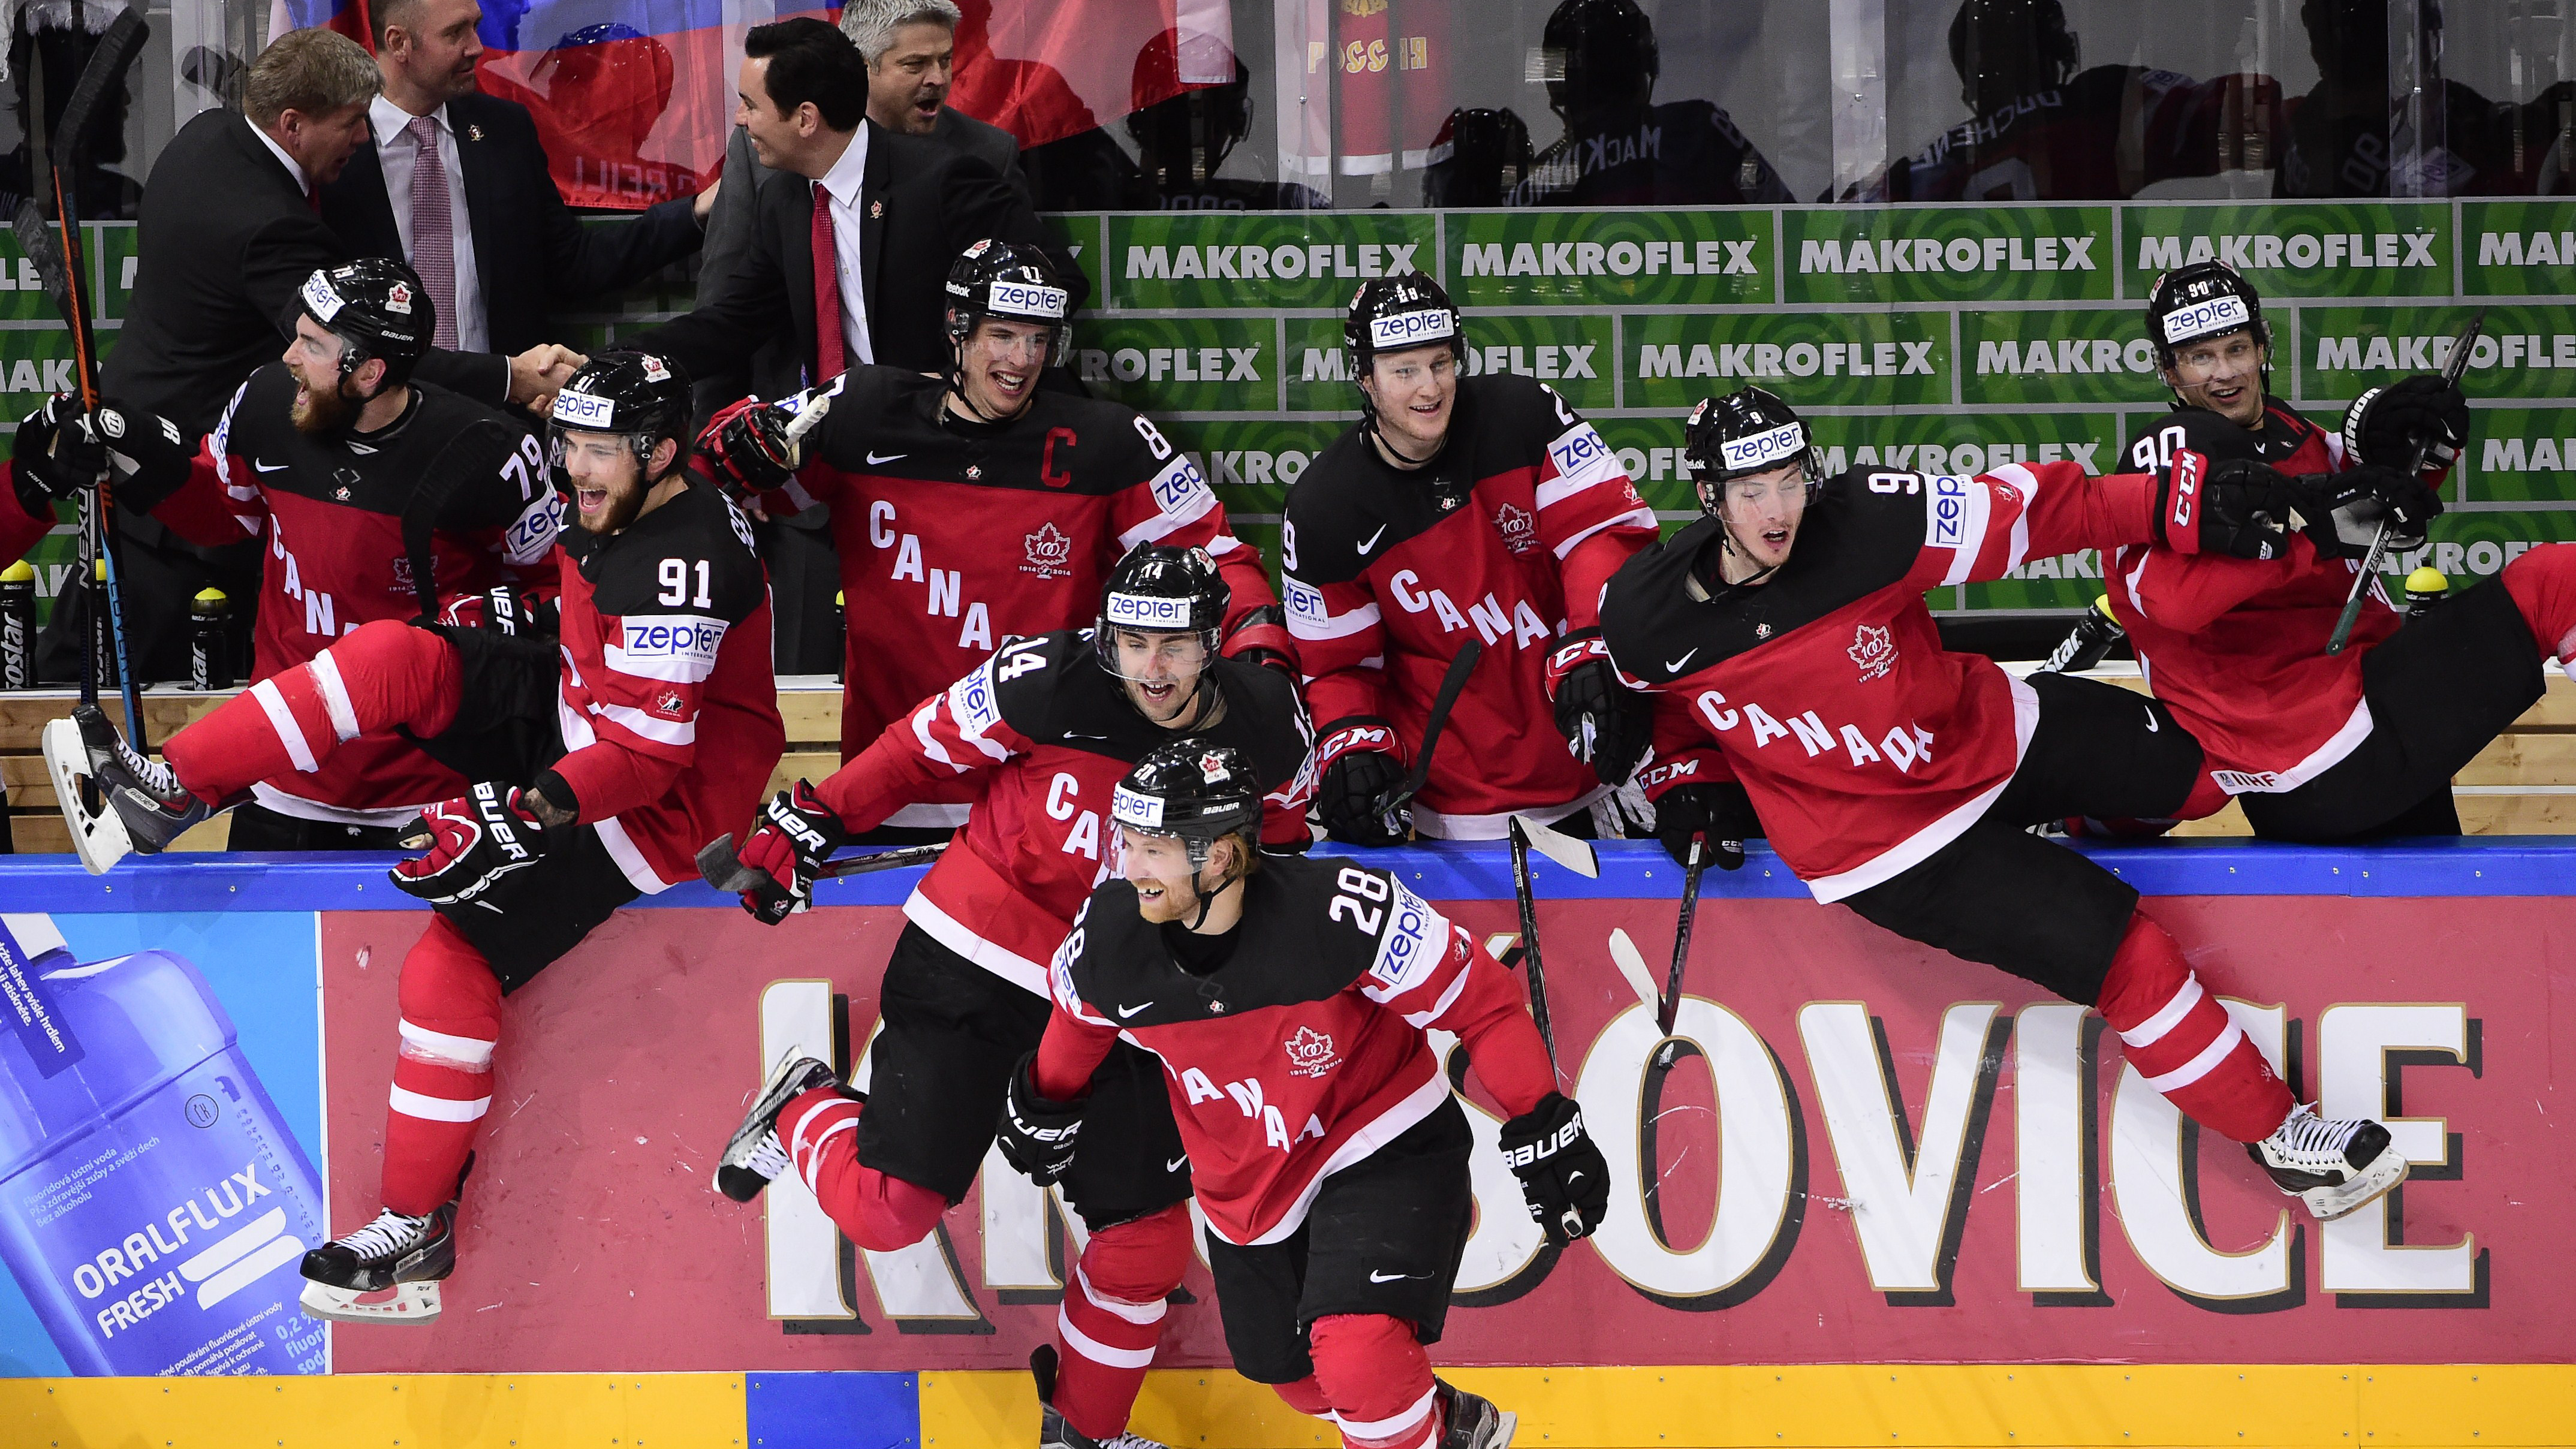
(1597, 52)
(377, 307)
(1012, 281)
(1392, 314)
(1749, 430)
(2203, 300)
(1195, 790)
(1165, 589)
(641, 395)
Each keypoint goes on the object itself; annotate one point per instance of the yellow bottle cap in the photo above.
(840, 600)
(212, 599)
(2102, 605)
(17, 573)
(100, 569)
(2428, 580)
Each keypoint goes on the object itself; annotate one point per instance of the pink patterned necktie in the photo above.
(433, 229)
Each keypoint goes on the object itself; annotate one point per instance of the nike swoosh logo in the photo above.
(1674, 666)
(1378, 1277)
(270, 467)
(876, 458)
(1075, 735)
(1175, 1164)
(1126, 1012)
(2151, 722)
(1370, 542)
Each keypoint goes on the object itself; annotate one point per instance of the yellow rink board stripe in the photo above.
(377, 1411)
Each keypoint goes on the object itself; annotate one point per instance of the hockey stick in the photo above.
(1451, 684)
(2452, 367)
(457, 464)
(1529, 939)
(1671, 1006)
(1575, 855)
(725, 871)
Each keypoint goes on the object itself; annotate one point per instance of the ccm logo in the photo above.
(1678, 769)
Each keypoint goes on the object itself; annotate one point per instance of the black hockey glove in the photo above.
(151, 456)
(1037, 1133)
(1719, 813)
(1604, 722)
(50, 458)
(745, 446)
(469, 844)
(2387, 424)
(2240, 507)
(2344, 510)
(1564, 1178)
(797, 833)
(1358, 764)
(515, 610)
(1261, 637)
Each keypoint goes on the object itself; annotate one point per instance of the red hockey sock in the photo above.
(451, 1017)
(877, 1212)
(2543, 585)
(1378, 1378)
(384, 674)
(1112, 1316)
(1306, 1397)
(2183, 1041)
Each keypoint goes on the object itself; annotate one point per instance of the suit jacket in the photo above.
(924, 203)
(225, 240)
(530, 252)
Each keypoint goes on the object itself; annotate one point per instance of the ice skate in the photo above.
(140, 802)
(1469, 1422)
(385, 1272)
(2334, 1166)
(754, 1155)
(1053, 1431)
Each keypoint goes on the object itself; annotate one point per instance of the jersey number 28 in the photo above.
(1355, 884)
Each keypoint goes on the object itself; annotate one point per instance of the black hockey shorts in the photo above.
(940, 1067)
(2010, 899)
(1383, 1235)
(2439, 689)
(506, 727)
(531, 917)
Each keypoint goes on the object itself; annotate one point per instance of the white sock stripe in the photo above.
(335, 696)
(843, 1110)
(299, 753)
(438, 1109)
(812, 1153)
(1393, 1424)
(460, 1051)
(1098, 1352)
(1134, 1312)
(2202, 1065)
(2168, 1016)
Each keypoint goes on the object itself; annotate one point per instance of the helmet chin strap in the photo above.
(1207, 898)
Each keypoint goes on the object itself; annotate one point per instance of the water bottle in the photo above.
(208, 666)
(2089, 642)
(2426, 588)
(153, 1204)
(18, 626)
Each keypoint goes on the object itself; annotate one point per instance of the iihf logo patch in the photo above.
(1873, 651)
(1310, 1053)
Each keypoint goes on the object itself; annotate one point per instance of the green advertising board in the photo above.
(1609, 258)
(1235, 260)
(1838, 255)
(2299, 249)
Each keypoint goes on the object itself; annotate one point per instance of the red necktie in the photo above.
(313, 199)
(827, 292)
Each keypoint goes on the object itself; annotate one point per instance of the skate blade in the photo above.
(1505, 1426)
(101, 840)
(2375, 1182)
(402, 1303)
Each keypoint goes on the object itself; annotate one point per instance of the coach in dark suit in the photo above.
(503, 251)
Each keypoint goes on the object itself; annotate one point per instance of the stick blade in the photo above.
(718, 866)
(1575, 855)
(1632, 964)
(106, 68)
(45, 253)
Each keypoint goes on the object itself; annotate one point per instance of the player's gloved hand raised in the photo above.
(1605, 723)
(516, 610)
(2240, 507)
(745, 445)
(470, 843)
(2385, 425)
(1564, 1178)
(1037, 1133)
(797, 833)
(2344, 510)
(1357, 764)
(51, 456)
(1719, 814)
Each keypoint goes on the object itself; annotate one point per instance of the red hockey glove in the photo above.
(797, 833)
(1564, 1178)
(745, 446)
(2239, 507)
(1261, 637)
(1356, 762)
(470, 843)
(1606, 724)
(516, 610)
(1037, 1133)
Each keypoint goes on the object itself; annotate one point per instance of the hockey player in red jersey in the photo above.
(1797, 671)
(646, 730)
(1458, 509)
(1287, 1000)
(323, 455)
(46, 463)
(2319, 746)
(970, 508)
(1039, 735)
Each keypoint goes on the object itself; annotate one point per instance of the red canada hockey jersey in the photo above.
(1865, 745)
(1039, 736)
(19, 529)
(2237, 648)
(954, 536)
(331, 510)
(1303, 1052)
(668, 708)
(1507, 536)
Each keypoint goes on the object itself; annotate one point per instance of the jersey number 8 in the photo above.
(1359, 883)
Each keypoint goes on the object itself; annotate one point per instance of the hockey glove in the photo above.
(2344, 510)
(1604, 722)
(1037, 1133)
(515, 610)
(2386, 425)
(1564, 1178)
(2240, 507)
(1719, 813)
(1261, 637)
(470, 843)
(151, 456)
(1357, 764)
(50, 457)
(745, 446)
(797, 833)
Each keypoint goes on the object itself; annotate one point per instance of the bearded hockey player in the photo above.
(975, 507)
(2319, 746)
(1798, 671)
(658, 722)
(1287, 1000)
(325, 455)
(1458, 508)
(1039, 735)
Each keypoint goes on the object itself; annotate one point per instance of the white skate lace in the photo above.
(1130, 1441)
(389, 1234)
(2306, 1134)
(154, 777)
(768, 1158)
